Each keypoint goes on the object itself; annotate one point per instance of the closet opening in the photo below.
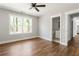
(56, 29)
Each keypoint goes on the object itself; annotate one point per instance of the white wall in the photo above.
(44, 27)
(4, 26)
(63, 29)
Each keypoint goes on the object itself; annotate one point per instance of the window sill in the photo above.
(19, 33)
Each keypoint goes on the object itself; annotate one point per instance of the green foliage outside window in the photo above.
(16, 24)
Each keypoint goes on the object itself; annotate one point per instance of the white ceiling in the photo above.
(50, 8)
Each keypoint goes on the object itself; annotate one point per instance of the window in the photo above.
(20, 24)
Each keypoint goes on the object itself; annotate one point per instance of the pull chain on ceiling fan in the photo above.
(34, 5)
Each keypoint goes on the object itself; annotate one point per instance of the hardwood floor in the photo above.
(40, 47)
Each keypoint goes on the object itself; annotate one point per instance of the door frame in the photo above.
(51, 32)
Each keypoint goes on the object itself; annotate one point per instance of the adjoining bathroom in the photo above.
(56, 29)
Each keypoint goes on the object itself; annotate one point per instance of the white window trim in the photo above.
(15, 33)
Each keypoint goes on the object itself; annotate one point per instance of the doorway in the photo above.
(56, 29)
(73, 25)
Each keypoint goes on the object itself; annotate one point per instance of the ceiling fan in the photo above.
(34, 5)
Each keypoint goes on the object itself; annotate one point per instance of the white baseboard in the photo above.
(8, 41)
(64, 44)
(45, 38)
(51, 40)
(13, 40)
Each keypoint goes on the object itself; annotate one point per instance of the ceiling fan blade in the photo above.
(33, 3)
(40, 5)
(37, 9)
